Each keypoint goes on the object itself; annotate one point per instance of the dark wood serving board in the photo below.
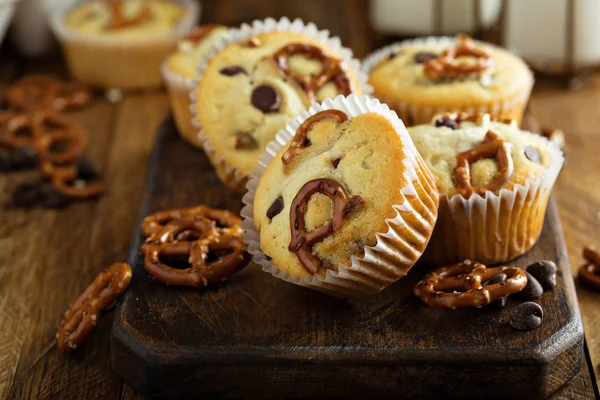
(257, 336)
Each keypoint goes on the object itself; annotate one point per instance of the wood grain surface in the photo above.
(48, 257)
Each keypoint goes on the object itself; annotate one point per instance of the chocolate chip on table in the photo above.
(531, 291)
(447, 122)
(423, 57)
(51, 198)
(27, 194)
(526, 316)
(275, 208)
(232, 70)
(24, 157)
(501, 302)
(266, 98)
(544, 272)
(5, 161)
(533, 154)
(86, 170)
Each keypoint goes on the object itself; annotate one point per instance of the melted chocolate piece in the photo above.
(245, 141)
(232, 70)
(336, 162)
(545, 273)
(526, 316)
(424, 56)
(533, 154)
(275, 208)
(447, 122)
(352, 205)
(266, 98)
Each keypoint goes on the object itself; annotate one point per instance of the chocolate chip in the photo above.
(392, 55)
(501, 302)
(27, 194)
(266, 98)
(423, 57)
(447, 122)
(24, 157)
(86, 170)
(275, 208)
(532, 290)
(232, 70)
(544, 272)
(352, 205)
(526, 316)
(533, 154)
(52, 198)
(245, 141)
(5, 161)
(336, 162)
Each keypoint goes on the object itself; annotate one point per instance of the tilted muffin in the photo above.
(346, 205)
(121, 43)
(261, 77)
(179, 72)
(494, 182)
(420, 78)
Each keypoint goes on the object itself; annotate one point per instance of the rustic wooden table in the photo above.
(47, 257)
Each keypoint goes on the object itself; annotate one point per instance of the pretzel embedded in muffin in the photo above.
(332, 69)
(452, 62)
(118, 19)
(302, 241)
(462, 285)
(493, 146)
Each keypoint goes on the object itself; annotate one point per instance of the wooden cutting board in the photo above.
(257, 336)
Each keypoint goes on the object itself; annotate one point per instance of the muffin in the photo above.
(259, 78)
(121, 44)
(494, 182)
(179, 71)
(420, 78)
(341, 202)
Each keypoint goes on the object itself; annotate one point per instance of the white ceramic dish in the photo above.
(7, 9)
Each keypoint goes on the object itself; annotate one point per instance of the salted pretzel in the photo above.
(300, 139)
(25, 130)
(450, 64)
(332, 69)
(65, 180)
(462, 285)
(302, 241)
(493, 146)
(195, 239)
(589, 274)
(36, 92)
(83, 314)
(118, 19)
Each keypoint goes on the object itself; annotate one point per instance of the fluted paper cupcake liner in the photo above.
(493, 228)
(228, 173)
(111, 62)
(412, 113)
(179, 88)
(396, 250)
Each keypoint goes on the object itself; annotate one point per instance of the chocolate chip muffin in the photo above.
(419, 78)
(494, 182)
(347, 205)
(263, 76)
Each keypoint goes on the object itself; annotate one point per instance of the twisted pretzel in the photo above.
(300, 139)
(302, 241)
(461, 285)
(118, 20)
(25, 130)
(83, 314)
(589, 274)
(448, 65)
(492, 146)
(65, 179)
(46, 92)
(332, 69)
(170, 242)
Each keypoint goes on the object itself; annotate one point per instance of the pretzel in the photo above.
(302, 241)
(64, 179)
(332, 69)
(75, 141)
(168, 243)
(199, 33)
(449, 65)
(25, 130)
(589, 274)
(83, 314)
(46, 92)
(300, 139)
(492, 146)
(119, 21)
(228, 223)
(461, 285)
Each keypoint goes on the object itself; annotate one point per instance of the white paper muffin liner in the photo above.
(231, 176)
(396, 250)
(493, 228)
(415, 114)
